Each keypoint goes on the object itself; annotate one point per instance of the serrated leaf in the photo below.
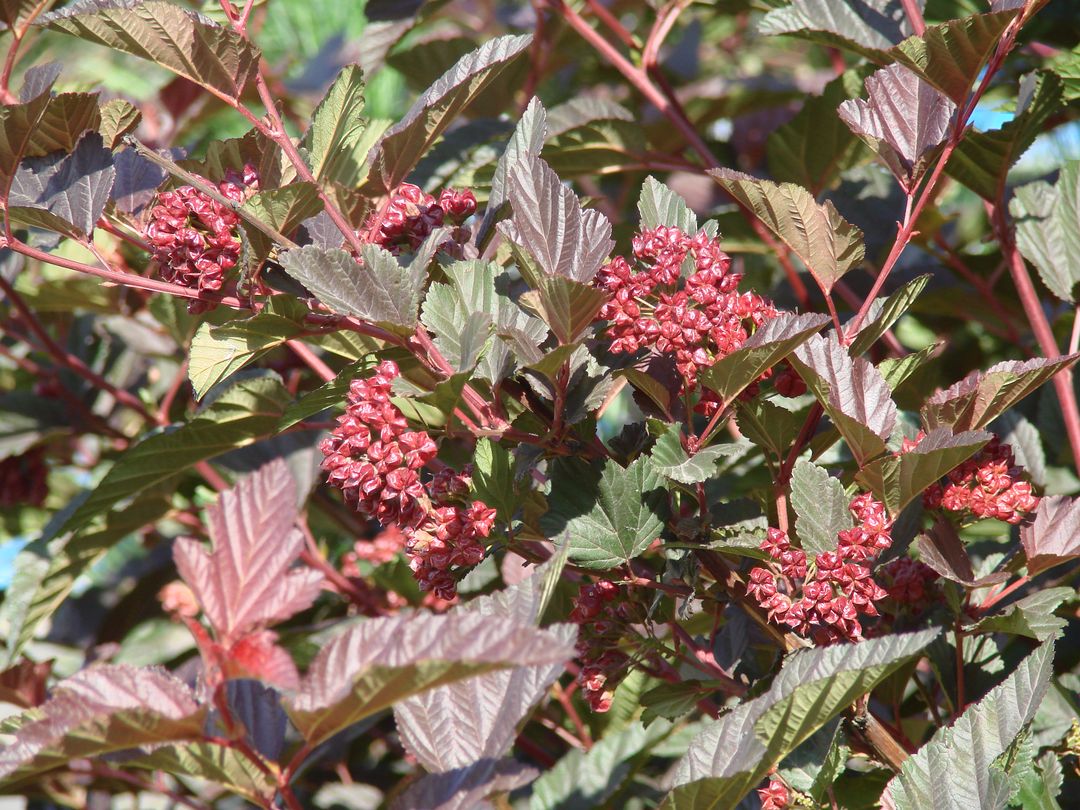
(465, 788)
(954, 770)
(246, 410)
(118, 118)
(982, 396)
(523, 147)
(493, 478)
(215, 763)
(431, 114)
(732, 754)
(218, 351)
(568, 307)
(182, 41)
(950, 55)
(899, 480)
(611, 513)
(379, 662)
(823, 240)
(380, 290)
(17, 125)
(896, 370)
(941, 548)
(1047, 232)
(18, 14)
(549, 223)
(66, 117)
(335, 141)
(246, 581)
(671, 460)
(1053, 537)
(285, 207)
(659, 205)
(460, 334)
(64, 192)
(1032, 617)
(821, 507)
(981, 161)
(813, 148)
(852, 392)
(771, 427)
(732, 374)
(866, 27)
(892, 308)
(905, 121)
(105, 708)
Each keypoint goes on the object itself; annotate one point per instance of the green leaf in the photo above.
(328, 395)
(672, 461)
(898, 480)
(771, 427)
(852, 392)
(335, 140)
(215, 763)
(1032, 617)
(982, 160)
(732, 374)
(813, 148)
(186, 43)
(380, 290)
(866, 27)
(961, 755)
(1047, 229)
(461, 335)
(821, 507)
(218, 351)
(282, 208)
(611, 513)
(950, 55)
(659, 205)
(493, 478)
(823, 240)
(895, 370)
(568, 307)
(1067, 66)
(408, 140)
(379, 662)
(732, 754)
(982, 396)
(243, 412)
(882, 318)
(813, 766)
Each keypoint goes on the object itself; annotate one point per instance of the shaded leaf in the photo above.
(896, 370)
(890, 311)
(852, 392)
(982, 396)
(246, 582)
(611, 513)
(137, 181)
(569, 307)
(1053, 537)
(493, 478)
(1032, 617)
(258, 709)
(905, 121)
(821, 507)
(950, 55)
(101, 709)
(732, 374)
(379, 662)
(184, 42)
(283, 208)
(17, 124)
(954, 770)
(465, 788)
(70, 190)
(118, 118)
(671, 460)
(335, 141)
(942, 549)
(66, 117)
(523, 148)
(405, 142)
(17, 14)
(1047, 232)
(823, 240)
(216, 763)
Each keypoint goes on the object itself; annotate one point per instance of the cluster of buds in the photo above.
(988, 486)
(412, 214)
(697, 321)
(824, 599)
(774, 796)
(24, 479)
(375, 459)
(908, 582)
(600, 619)
(196, 239)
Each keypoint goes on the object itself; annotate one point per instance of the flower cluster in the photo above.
(600, 619)
(376, 459)
(835, 588)
(196, 239)
(988, 486)
(24, 479)
(774, 796)
(696, 322)
(412, 214)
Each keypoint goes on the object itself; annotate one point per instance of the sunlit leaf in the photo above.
(1053, 537)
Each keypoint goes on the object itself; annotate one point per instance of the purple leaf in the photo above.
(137, 180)
(101, 709)
(245, 582)
(258, 708)
(982, 396)
(1053, 537)
(905, 120)
(942, 549)
(465, 788)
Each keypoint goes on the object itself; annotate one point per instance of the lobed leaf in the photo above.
(182, 41)
(1047, 232)
(407, 141)
(954, 770)
(1032, 617)
(568, 307)
(671, 460)
(612, 513)
(982, 396)
(65, 119)
(523, 148)
(659, 205)
(1053, 537)
(821, 507)
(823, 240)
(18, 122)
